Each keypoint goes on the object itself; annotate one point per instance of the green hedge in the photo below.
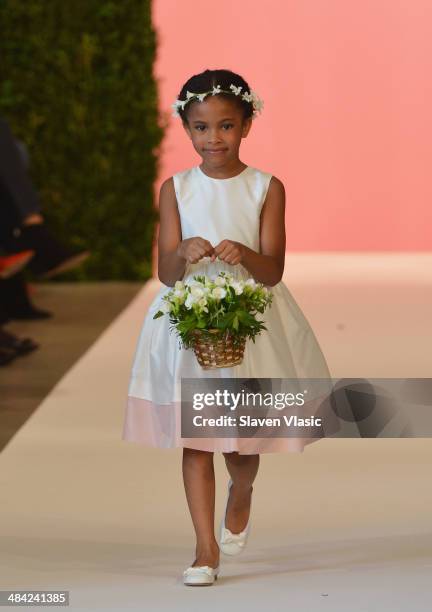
(77, 87)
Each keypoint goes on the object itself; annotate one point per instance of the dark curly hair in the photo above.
(205, 81)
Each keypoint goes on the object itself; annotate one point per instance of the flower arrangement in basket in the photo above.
(215, 315)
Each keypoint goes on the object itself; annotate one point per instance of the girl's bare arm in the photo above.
(267, 266)
(171, 266)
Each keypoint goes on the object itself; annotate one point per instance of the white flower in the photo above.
(197, 292)
(175, 107)
(258, 104)
(179, 285)
(251, 96)
(165, 307)
(235, 89)
(237, 286)
(179, 293)
(203, 303)
(220, 281)
(218, 293)
(190, 300)
(194, 283)
(251, 283)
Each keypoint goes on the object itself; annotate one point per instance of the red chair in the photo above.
(11, 264)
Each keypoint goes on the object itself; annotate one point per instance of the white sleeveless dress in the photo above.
(217, 209)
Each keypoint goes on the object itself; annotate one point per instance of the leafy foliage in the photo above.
(77, 88)
(215, 303)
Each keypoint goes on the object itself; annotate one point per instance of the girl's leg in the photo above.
(199, 482)
(242, 469)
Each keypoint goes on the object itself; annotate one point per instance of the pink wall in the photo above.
(347, 118)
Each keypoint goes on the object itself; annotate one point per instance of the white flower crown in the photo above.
(257, 103)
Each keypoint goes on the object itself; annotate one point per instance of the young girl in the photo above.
(220, 215)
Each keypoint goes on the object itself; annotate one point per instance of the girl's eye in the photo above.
(198, 127)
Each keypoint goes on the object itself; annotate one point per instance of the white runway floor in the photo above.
(345, 526)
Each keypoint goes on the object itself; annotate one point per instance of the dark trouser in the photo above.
(13, 297)
(14, 176)
(10, 219)
(15, 237)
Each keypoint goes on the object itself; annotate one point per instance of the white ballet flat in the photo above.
(200, 575)
(232, 543)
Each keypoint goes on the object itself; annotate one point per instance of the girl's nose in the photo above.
(213, 137)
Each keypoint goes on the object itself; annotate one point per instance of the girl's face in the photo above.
(216, 127)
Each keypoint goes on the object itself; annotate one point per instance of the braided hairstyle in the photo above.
(205, 81)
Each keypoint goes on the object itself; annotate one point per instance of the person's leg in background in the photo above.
(16, 303)
(11, 346)
(19, 205)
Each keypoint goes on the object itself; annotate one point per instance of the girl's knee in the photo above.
(190, 452)
(230, 454)
(234, 456)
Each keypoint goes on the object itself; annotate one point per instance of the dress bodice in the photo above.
(218, 209)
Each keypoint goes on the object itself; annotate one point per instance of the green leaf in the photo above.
(93, 99)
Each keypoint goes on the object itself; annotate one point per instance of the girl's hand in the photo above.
(193, 249)
(229, 251)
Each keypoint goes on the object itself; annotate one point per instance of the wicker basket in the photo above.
(218, 351)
